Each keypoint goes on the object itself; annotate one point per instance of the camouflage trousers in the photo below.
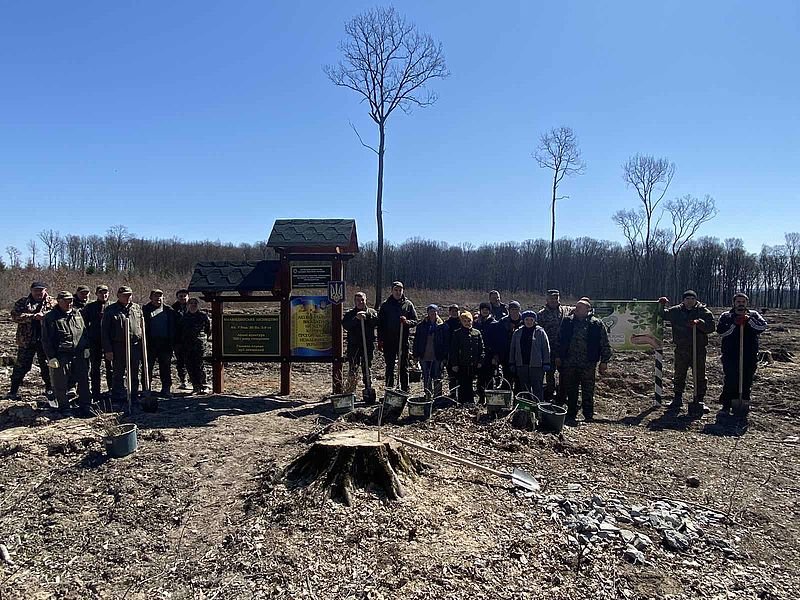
(25, 356)
(573, 379)
(683, 362)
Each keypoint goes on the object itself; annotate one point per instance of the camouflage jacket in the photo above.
(194, 327)
(550, 320)
(113, 325)
(29, 330)
(583, 343)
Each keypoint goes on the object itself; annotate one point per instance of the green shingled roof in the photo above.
(326, 234)
(226, 276)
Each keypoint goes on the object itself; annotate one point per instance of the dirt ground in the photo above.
(200, 510)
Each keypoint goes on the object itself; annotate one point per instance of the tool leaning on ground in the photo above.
(148, 402)
(740, 405)
(518, 477)
(369, 391)
(128, 383)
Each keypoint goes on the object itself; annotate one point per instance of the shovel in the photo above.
(128, 363)
(739, 404)
(518, 477)
(149, 404)
(369, 391)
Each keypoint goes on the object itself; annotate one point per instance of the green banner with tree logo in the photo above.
(631, 324)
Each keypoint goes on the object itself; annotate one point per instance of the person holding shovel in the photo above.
(360, 317)
(121, 317)
(691, 324)
(430, 349)
(92, 315)
(66, 345)
(739, 329)
(396, 317)
(465, 357)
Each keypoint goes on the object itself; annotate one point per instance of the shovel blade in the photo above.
(524, 480)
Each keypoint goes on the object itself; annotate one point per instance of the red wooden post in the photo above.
(337, 274)
(286, 327)
(217, 378)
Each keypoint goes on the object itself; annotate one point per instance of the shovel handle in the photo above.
(366, 356)
(451, 458)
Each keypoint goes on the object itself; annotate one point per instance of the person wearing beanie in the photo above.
(583, 342)
(690, 319)
(530, 354)
(396, 317)
(28, 313)
(508, 325)
(430, 349)
(465, 357)
(550, 318)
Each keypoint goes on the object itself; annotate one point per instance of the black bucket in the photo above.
(419, 408)
(343, 403)
(551, 417)
(121, 441)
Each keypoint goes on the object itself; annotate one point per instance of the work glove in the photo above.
(53, 363)
(693, 323)
(547, 368)
(403, 320)
(663, 300)
(742, 319)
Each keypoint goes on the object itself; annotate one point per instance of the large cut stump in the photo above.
(340, 462)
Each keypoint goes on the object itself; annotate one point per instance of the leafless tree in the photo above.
(631, 222)
(32, 251)
(53, 242)
(650, 177)
(117, 238)
(793, 248)
(558, 150)
(389, 63)
(688, 215)
(14, 257)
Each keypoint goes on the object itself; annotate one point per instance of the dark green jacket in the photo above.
(193, 328)
(466, 348)
(353, 328)
(113, 327)
(63, 333)
(389, 320)
(92, 315)
(680, 316)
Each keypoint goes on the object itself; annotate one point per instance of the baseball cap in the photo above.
(83, 288)
(38, 285)
(101, 288)
(64, 295)
(124, 290)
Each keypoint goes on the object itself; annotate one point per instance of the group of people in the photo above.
(524, 350)
(74, 340)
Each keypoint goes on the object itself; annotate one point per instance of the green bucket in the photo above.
(526, 401)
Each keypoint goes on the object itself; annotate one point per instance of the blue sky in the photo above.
(208, 120)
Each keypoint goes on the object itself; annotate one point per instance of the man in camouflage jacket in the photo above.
(28, 313)
(550, 318)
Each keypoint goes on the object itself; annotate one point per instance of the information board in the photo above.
(311, 276)
(251, 336)
(312, 319)
(631, 324)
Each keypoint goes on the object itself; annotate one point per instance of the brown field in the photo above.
(199, 511)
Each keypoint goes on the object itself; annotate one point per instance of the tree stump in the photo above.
(340, 462)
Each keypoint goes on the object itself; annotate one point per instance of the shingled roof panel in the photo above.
(226, 276)
(314, 233)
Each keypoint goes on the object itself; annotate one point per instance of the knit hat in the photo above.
(397, 284)
(432, 307)
(553, 293)
(529, 313)
(514, 304)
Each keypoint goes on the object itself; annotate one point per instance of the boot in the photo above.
(677, 402)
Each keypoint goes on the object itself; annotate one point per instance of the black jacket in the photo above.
(466, 348)
(172, 321)
(389, 320)
(194, 327)
(63, 332)
(93, 319)
(441, 339)
(728, 331)
(352, 327)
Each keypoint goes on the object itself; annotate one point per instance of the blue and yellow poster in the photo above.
(311, 326)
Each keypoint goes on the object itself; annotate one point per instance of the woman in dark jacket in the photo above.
(466, 356)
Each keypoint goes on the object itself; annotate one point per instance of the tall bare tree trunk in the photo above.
(553, 232)
(379, 217)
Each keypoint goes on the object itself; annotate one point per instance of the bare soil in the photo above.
(201, 511)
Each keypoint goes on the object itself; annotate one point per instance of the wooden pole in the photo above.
(285, 327)
(217, 370)
(337, 274)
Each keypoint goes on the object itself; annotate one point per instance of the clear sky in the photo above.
(208, 120)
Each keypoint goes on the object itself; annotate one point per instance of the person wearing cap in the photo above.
(194, 329)
(549, 318)
(530, 354)
(583, 342)
(465, 357)
(685, 317)
(351, 323)
(114, 344)
(508, 325)
(66, 346)
(28, 313)
(430, 348)
(181, 307)
(81, 297)
(396, 317)
(93, 318)
(739, 321)
(160, 327)
(452, 324)
(497, 308)
(492, 336)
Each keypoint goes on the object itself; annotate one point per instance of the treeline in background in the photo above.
(583, 266)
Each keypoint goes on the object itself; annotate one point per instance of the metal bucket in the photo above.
(343, 403)
(551, 416)
(395, 399)
(419, 407)
(499, 400)
(121, 441)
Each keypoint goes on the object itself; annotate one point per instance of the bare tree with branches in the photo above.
(389, 63)
(33, 249)
(53, 242)
(14, 257)
(558, 150)
(631, 222)
(688, 214)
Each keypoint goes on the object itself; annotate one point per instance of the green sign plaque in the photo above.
(251, 336)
